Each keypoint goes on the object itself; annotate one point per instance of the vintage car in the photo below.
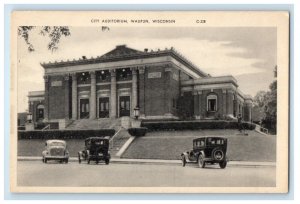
(96, 149)
(55, 150)
(207, 150)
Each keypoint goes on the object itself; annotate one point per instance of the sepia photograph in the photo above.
(149, 102)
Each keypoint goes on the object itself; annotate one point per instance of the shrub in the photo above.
(64, 134)
(194, 125)
(138, 132)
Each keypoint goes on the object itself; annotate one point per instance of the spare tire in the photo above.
(218, 154)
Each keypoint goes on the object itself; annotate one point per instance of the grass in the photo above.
(170, 144)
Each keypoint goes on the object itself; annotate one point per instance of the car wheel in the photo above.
(223, 164)
(106, 161)
(183, 160)
(201, 161)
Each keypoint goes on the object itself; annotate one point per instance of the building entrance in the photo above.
(84, 108)
(124, 106)
(104, 107)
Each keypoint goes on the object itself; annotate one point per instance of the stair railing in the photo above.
(47, 127)
(111, 141)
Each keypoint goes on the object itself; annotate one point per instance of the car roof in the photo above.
(61, 141)
(215, 137)
(96, 138)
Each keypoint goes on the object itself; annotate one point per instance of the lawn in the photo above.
(170, 144)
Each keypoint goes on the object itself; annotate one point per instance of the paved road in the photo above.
(35, 173)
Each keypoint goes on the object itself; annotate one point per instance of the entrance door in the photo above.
(124, 106)
(84, 108)
(104, 107)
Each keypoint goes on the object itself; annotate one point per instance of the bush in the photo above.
(194, 125)
(64, 134)
(138, 132)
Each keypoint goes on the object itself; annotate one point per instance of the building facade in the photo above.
(162, 84)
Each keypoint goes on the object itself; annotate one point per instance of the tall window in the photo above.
(40, 111)
(212, 102)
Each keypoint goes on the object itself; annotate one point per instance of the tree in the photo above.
(265, 107)
(54, 33)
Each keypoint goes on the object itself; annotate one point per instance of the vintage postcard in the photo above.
(149, 102)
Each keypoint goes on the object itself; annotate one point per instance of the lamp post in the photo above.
(136, 112)
(29, 117)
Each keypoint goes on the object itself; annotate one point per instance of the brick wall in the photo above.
(57, 97)
(154, 92)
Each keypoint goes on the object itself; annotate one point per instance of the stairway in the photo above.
(118, 141)
(89, 124)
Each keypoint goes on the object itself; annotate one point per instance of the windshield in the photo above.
(57, 144)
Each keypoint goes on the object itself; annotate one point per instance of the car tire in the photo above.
(223, 164)
(106, 161)
(183, 160)
(201, 161)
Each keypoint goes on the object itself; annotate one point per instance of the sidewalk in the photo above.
(160, 162)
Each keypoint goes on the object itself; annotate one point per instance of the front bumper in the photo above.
(56, 157)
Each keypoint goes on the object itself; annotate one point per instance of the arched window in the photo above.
(40, 111)
(212, 102)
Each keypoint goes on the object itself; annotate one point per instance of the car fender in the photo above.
(44, 153)
(185, 154)
(201, 153)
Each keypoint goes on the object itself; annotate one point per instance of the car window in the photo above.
(215, 141)
(199, 143)
(99, 142)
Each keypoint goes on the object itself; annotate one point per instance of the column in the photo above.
(200, 104)
(93, 101)
(142, 92)
(67, 90)
(196, 104)
(237, 105)
(229, 104)
(46, 103)
(134, 90)
(224, 102)
(113, 95)
(74, 96)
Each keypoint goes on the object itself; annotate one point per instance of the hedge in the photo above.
(64, 134)
(194, 125)
(138, 132)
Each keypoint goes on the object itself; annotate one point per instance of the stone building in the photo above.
(162, 84)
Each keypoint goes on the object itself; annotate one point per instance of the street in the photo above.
(36, 173)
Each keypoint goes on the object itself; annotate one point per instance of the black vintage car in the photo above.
(96, 149)
(207, 150)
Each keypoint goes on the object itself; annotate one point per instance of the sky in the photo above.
(247, 53)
